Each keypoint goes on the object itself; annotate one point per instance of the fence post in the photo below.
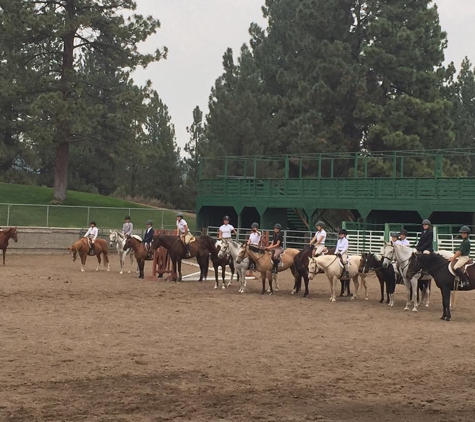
(163, 212)
(88, 215)
(8, 214)
(47, 215)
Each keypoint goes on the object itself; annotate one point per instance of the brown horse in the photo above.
(81, 247)
(5, 236)
(140, 251)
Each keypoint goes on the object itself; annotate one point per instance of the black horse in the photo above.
(386, 276)
(301, 271)
(437, 266)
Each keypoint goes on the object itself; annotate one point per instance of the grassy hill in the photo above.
(78, 210)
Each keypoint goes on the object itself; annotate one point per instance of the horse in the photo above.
(177, 251)
(301, 270)
(437, 265)
(264, 266)
(386, 276)
(118, 240)
(5, 236)
(140, 251)
(330, 264)
(402, 255)
(219, 261)
(234, 248)
(81, 247)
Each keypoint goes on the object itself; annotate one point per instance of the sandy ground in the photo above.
(104, 347)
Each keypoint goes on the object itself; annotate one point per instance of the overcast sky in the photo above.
(197, 32)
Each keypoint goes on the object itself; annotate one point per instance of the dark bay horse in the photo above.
(437, 266)
(177, 251)
(81, 247)
(5, 236)
(140, 252)
(210, 244)
(386, 276)
(301, 270)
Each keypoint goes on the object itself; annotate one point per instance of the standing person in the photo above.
(341, 251)
(148, 235)
(184, 233)
(425, 244)
(463, 255)
(276, 246)
(254, 240)
(128, 227)
(402, 239)
(319, 239)
(226, 230)
(92, 234)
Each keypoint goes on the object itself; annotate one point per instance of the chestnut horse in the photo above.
(140, 252)
(81, 247)
(5, 236)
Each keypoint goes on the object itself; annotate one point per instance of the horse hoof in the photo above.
(427, 305)
(415, 310)
(224, 287)
(381, 301)
(366, 298)
(276, 289)
(447, 319)
(271, 293)
(333, 300)
(108, 269)
(406, 308)
(128, 272)
(215, 287)
(353, 298)
(121, 272)
(262, 292)
(82, 270)
(293, 292)
(305, 296)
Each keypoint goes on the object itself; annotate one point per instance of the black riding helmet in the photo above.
(93, 223)
(277, 226)
(254, 225)
(319, 223)
(426, 222)
(342, 231)
(127, 218)
(464, 229)
(226, 217)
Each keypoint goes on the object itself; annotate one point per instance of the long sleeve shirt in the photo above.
(93, 232)
(425, 241)
(342, 245)
(128, 228)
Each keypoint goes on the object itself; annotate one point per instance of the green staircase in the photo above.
(296, 220)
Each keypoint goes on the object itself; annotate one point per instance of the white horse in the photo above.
(402, 255)
(330, 265)
(118, 239)
(234, 249)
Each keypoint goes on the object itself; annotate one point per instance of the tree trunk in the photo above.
(61, 171)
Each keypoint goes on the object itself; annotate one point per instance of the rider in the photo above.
(148, 236)
(340, 251)
(254, 240)
(91, 234)
(276, 246)
(128, 227)
(394, 237)
(319, 239)
(402, 238)
(463, 255)
(226, 230)
(425, 244)
(183, 232)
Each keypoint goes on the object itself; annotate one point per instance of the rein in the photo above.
(324, 268)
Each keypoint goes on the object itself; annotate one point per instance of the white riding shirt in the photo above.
(128, 228)
(342, 245)
(226, 230)
(181, 226)
(255, 238)
(321, 233)
(92, 232)
(402, 242)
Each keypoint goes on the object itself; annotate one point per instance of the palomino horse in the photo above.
(5, 236)
(330, 264)
(177, 252)
(118, 240)
(140, 252)
(437, 266)
(81, 247)
(264, 264)
(402, 255)
(233, 248)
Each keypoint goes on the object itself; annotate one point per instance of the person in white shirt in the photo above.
(255, 236)
(396, 241)
(319, 239)
(184, 233)
(226, 230)
(128, 227)
(402, 239)
(341, 251)
(394, 237)
(92, 234)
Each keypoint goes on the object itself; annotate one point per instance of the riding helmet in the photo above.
(394, 234)
(149, 223)
(179, 214)
(277, 226)
(127, 218)
(226, 217)
(343, 231)
(464, 229)
(426, 221)
(319, 223)
(93, 222)
(403, 232)
(255, 225)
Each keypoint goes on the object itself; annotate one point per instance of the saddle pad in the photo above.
(136, 236)
(468, 264)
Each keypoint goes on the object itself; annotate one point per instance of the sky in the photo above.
(197, 33)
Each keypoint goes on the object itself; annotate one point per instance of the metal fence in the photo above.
(67, 216)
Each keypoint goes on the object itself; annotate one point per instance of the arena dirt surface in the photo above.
(104, 347)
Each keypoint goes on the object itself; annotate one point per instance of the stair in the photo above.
(295, 221)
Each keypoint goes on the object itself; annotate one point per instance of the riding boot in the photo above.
(345, 275)
(276, 265)
(188, 251)
(463, 279)
(91, 249)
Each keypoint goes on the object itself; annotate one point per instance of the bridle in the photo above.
(313, 260)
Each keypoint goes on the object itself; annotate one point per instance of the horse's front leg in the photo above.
(131, 261)
(333, 284)
(407, 283)
(121, 261)
(98, 261)
(216, 281)
(223, 276)
(414, 284)
(179, 269)
(4, 251)
(263, 278)
(270, 276)
(357, 286)
(83, 262)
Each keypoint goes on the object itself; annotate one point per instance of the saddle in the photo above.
(469, 263)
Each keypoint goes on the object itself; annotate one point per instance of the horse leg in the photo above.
(429, 282)
(342, 288)
(179, 269)
(407, 283)
(381, 285)
(242, 277)
(263, 278)
(334, 284)
(305, 280)
(415, 288)
(357, 286)
(216, 282)
(270, 276)
(131, 262)
(391, 289)
(105, 255)
(4, 250)
(223, 275)
(98, 261)
(141, 268)
(445, 291)
(174, 266)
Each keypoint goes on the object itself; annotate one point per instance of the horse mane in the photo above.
(257, 250)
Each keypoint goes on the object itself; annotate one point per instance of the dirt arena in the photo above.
(104, 347)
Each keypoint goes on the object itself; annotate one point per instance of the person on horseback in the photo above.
(425, 244)
(319, 239)
(402, 239)
(254, 240)
(148, 235)
(395, 239)
(463, 255)
(226, 230)
(91, 235)
(184, 233)
(128, 227)
(341, 252)
(276, 246)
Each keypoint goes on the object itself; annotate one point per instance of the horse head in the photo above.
(415, 265)
(366, 263)
(312, 268)
(128, 243)
(112, 237)
(242, 253)
(388, 254)
(222, 246)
